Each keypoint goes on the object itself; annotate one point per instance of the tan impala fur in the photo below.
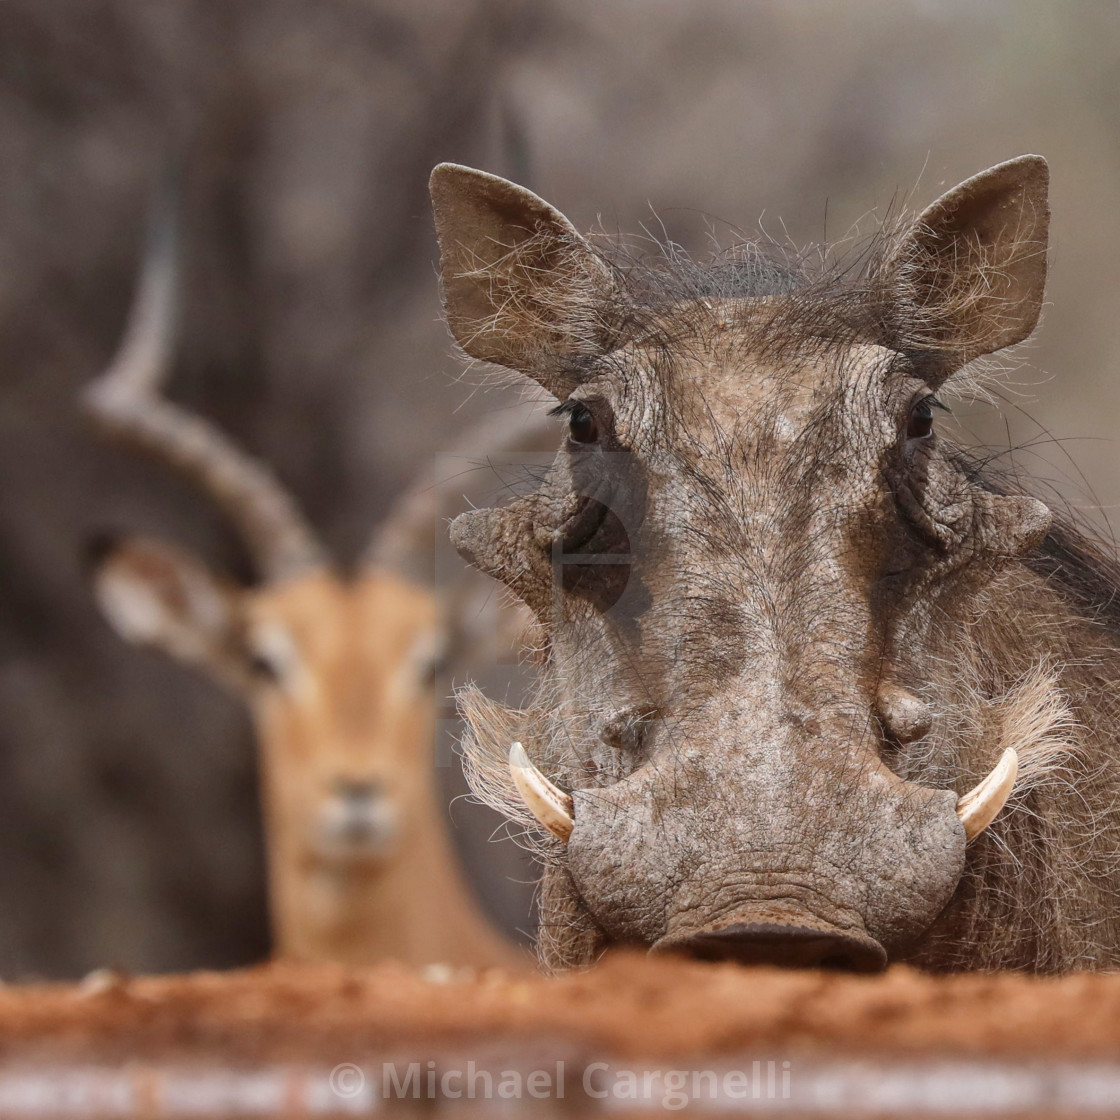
(359, 712)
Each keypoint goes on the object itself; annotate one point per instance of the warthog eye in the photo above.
(582, 426)
(920, 423)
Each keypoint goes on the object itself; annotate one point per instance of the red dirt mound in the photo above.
(805, 1042)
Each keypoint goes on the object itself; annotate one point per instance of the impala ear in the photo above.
(972, 269)
(154, 595)
(521, 287)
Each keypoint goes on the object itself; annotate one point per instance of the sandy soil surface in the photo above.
(629, 1005)
(316, 1040)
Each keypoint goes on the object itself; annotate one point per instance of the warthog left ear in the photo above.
(968, 276)
(521, 287)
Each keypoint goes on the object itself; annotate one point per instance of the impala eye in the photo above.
(264, 668)
(920, 423)
(582, 426)
(272, 655)
(430, 655)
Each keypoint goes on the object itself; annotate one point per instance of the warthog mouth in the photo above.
(759, 891)
(777, 934)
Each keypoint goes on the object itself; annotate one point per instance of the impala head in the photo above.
(742, 555)
(337, 670)
(338, 674)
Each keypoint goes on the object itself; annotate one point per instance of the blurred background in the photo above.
(129, 826)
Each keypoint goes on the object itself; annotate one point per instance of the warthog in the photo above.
(788, 624)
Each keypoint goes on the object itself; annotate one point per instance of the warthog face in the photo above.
(737, 557)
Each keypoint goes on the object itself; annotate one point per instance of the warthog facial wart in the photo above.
(818, 688)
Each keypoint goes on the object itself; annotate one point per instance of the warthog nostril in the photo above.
(786, 946)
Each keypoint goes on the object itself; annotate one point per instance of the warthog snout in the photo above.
(774, 849)
(786, 944)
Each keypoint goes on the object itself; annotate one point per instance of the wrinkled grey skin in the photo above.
(767, 700)
(746, 649)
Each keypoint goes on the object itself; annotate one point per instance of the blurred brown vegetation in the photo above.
(128, 819)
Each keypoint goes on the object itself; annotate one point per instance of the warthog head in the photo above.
(744, 559)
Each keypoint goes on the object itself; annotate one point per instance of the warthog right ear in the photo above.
(154, 595)
(521, 287)
(969, 274)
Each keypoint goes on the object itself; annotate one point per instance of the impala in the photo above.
(337, 671)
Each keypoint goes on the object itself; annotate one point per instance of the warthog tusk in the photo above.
(981, 805)
(548, 803)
